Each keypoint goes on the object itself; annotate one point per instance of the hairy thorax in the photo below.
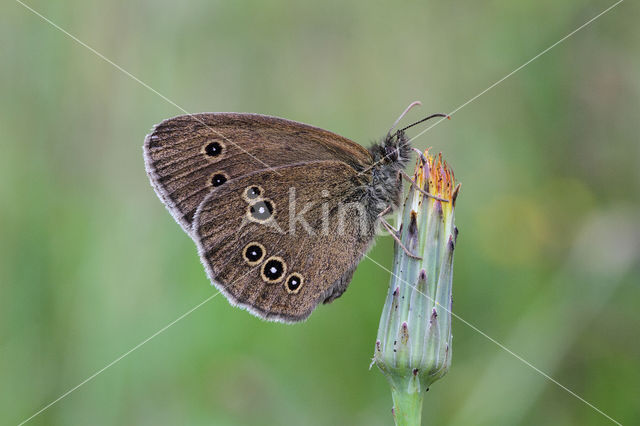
(390, 156)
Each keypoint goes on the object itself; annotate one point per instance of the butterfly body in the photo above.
(281, 212)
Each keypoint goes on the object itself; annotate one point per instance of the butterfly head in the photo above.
(390, 156)
(397, 148)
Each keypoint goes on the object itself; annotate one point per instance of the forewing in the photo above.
(326, 195)
(187, 156)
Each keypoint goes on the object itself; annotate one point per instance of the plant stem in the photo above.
(407, 403)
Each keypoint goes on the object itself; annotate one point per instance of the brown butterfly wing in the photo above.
(183, 154)
(225, 229)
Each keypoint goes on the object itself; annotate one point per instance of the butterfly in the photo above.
(281, 212)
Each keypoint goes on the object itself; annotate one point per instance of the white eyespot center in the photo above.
(273, 270)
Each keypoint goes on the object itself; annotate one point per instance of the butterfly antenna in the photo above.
(447, 116)
(411, 105)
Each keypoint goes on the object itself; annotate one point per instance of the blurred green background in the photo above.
(547, 263)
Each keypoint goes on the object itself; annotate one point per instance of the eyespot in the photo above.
(273, 269)
(261, 211)
(218, 179)
(253, 253)
(294, 282)
(213, 149)
(252, 192)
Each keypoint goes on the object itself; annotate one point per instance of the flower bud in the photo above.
(413, 347)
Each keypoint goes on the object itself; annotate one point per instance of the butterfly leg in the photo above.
(385, 211)
(393, 233)
(422, 191)
(389, 227)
